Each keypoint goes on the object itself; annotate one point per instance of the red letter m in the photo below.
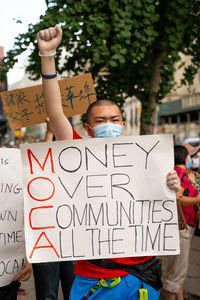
(49, 153)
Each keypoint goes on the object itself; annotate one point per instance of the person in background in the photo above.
(174, 268)
(47, 275)
(193, 171)
(103, 119)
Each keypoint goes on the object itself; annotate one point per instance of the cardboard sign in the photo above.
(25, 107)
(99, 198)
(12, 245)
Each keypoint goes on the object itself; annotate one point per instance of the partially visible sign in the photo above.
(25, 107)
(12, 248)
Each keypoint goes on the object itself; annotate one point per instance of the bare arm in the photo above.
(185, 200)
(48, 41)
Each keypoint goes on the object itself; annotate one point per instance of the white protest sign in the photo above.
(12, 245)
(99, 198)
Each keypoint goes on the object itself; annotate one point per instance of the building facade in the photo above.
(180, 111)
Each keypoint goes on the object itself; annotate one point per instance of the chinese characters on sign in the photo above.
(25, 107)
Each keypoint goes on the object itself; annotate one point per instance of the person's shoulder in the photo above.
(180, 170)
(181, 173)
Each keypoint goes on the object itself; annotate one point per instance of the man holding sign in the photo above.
(119, 278)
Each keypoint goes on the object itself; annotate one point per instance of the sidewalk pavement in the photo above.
(29, 287)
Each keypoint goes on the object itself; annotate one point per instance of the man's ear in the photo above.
(89, 130)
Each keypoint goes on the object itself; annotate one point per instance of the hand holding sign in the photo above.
(49, 39)
(25, 273)
(173, 181)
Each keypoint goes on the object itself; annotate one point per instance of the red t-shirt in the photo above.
(86, 269)
(76, 136)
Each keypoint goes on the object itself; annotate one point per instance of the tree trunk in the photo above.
(155, 81)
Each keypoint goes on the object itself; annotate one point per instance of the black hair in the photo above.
(180, 155)
(103, 102)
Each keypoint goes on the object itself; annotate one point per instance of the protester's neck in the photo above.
(181, 166)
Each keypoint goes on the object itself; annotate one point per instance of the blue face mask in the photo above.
(107, 130)
(189, 163)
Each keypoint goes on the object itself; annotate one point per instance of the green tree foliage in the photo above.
(130, 46)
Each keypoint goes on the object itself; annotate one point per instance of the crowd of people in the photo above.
(120, 278)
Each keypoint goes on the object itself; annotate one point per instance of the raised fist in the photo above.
(49, 39)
